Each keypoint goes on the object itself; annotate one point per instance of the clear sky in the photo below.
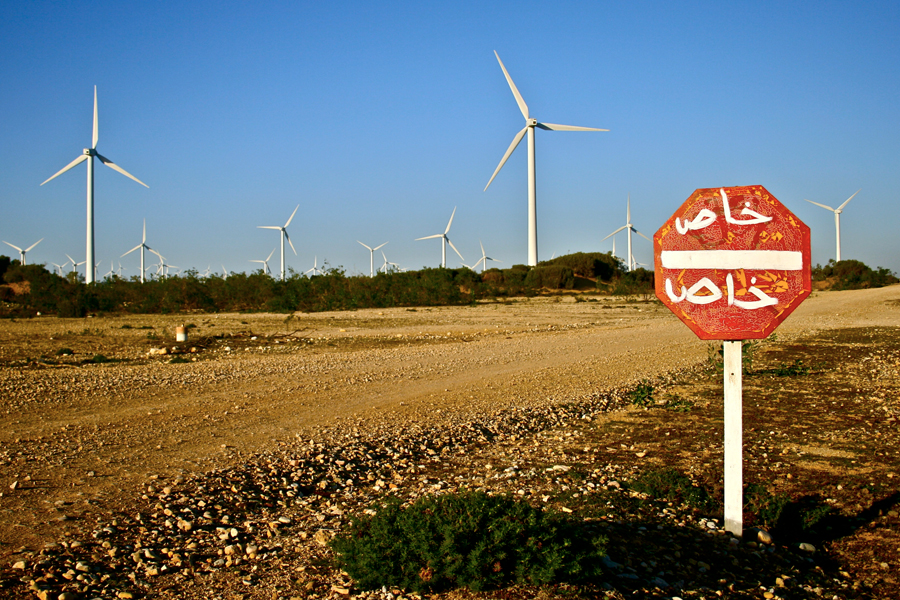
(378, 118)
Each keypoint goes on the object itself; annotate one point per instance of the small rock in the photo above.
(764, 537)
(20, 565)
(807, 547)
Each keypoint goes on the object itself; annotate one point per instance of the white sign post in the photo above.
(734, 471)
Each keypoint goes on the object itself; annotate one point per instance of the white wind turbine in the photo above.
(25, 251)
(837, 221)
(163, 267)
(629, 227)
(315, 268)
(75, 265)
(371, 257)
(284, 235)
(483, 260)
(142, 246)
(530, 124)
(88, 155)
(444, 241)
(265, 263)
(59, 268)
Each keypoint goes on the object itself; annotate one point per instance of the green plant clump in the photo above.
(642, 395)
(469, 540)
(668, 484)
(791, 369)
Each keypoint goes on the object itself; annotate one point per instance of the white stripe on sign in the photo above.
(775, 260)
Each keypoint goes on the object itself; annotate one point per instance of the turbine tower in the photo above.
(88, 155)
(444, 241)
(372, 257)
(629, 227)
(530, 124)
(837, 221)
(22, 253)
(284, 235)
(143, 246)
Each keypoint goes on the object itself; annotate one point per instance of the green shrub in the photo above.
(642, 395)
(470, 540)
(670, 485)
(764, 508)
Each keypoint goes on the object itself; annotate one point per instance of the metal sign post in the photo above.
(732, 264)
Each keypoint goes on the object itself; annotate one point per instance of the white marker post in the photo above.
(734, 472)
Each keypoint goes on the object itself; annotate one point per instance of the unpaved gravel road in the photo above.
(85, 436)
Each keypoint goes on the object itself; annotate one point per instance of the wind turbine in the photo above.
(225, 271)
(837, 221)
(372, 257)
(629, 227)
(163, 268)
(26, 250)
(88, 155)
(530, 124)
(284, 235)
(484, 258)
(75, 265)
(315, 268)
(59, 268)
(444, 241)
(143, 245)
(265, 263)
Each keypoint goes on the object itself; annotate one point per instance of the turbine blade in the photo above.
(156, 253)
(288, 238)
(116, 167)
(615, 232)
(292, 217)
(16, 247)
(449, 223)
(359, 242)
(268, 227)
(28, 249)
(144, 239)
(641, 234)
(822, 205)
(841, 207)
(271, 253)
(455, 250)
(519, 100)
(381, 246)
(96, 135)
(554, 127)
(78, 160)
(437, 235)
(132, 250)
(509, 151)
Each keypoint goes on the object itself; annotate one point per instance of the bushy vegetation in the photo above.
(852, 275)
(469, 539)
(68, 296)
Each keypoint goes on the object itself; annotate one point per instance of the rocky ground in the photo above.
(224, 472)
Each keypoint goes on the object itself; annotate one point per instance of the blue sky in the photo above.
(379, 118)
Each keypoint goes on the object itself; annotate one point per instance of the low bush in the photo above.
(470, 540)
(668, 484)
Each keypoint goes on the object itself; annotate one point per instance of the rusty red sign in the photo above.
(732, 263)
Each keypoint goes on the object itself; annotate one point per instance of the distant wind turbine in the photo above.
(225, 271)
(142, 246)
(59, 268)
(315, 268)
(629, 228)
(530, 124)
(25, 251)
(163, 267)
(483, 260)
(75, 265)
(88, 155)
(284, 236)
(265, 263)
(372, 256)
(837, 221)
(444, 241)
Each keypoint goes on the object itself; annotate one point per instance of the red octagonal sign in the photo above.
(732, 263)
